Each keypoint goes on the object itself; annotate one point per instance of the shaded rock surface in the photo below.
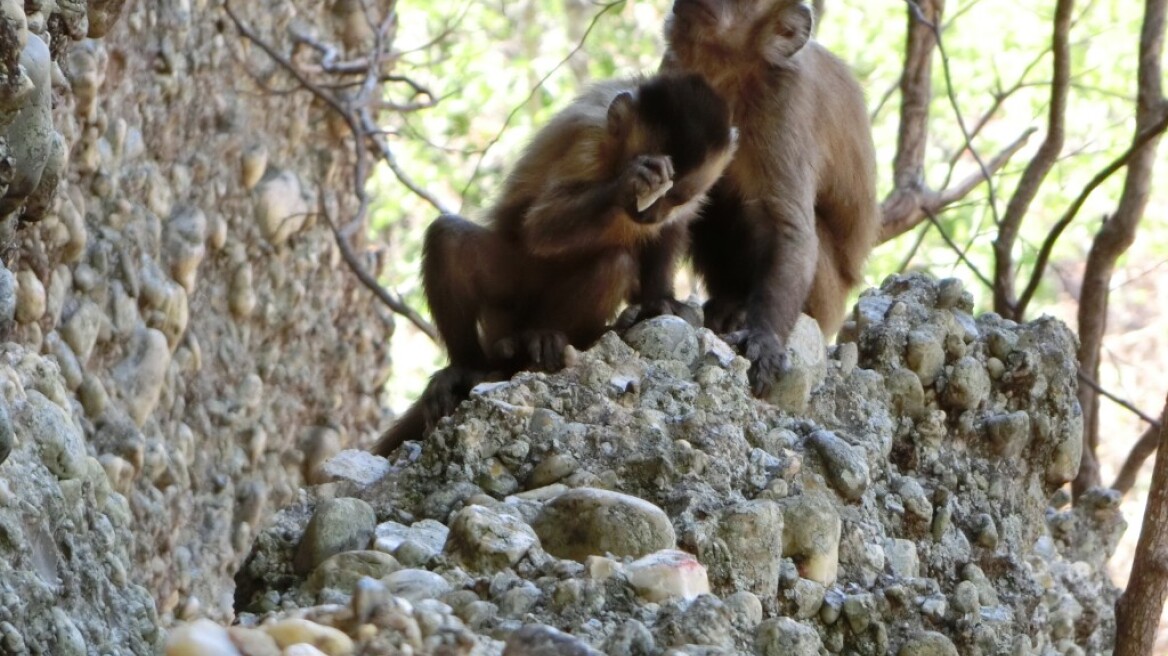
(203, 342)
(883, 520)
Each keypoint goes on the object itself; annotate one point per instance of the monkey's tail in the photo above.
(410, 426)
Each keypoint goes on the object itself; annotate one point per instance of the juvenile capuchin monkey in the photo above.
(789, 225)
(593, 215)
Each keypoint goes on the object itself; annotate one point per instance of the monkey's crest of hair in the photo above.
(689, 136)
(727, 40)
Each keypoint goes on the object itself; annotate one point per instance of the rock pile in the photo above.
(642, 502)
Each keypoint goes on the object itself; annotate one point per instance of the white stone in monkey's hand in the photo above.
(645, 200)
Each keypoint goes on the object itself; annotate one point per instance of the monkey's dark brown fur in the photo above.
(789, 225)
(565, 245)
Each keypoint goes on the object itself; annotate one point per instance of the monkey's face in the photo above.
(722, 38)
(683, 117)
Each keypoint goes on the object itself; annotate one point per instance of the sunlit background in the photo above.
(503, 68)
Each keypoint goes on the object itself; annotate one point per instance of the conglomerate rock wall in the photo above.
(159, 252)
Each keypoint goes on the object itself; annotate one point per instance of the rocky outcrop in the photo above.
(159, 249)
(914, 508)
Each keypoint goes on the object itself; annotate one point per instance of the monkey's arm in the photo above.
(653, 295)
(783, 284)
(577, 215)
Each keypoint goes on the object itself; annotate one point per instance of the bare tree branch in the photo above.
(898, 221)
(911, 201)
(604, 8)
(1005, 302)
(957, 249)
(1118, 233)
(1137, 614)
(354, 111)
(1065, 220)
(1143, 449)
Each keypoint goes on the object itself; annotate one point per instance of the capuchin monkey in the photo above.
(593, 215)
(789, 225)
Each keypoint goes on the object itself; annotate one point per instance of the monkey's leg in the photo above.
(447, 388)
(465, 267)
(779, 291)
(538, 350)
(727, 256)
(653, 296)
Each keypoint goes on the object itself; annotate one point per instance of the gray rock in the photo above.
(901, 558)
(592, 522)
(808, 596)
(1010, 433)
(357, 468)
(749, 548)
(7, 300)
(665, 337)
(967, 385)
(807, 366)
(925, 355)
(846, 466)
(811, 532)
(483, 540)
(416, 584)
(342, 571)
(7, 434)
(746, 608)
(337, 525)
(425, 537)
(632, 638)
(783, 636)
(928, 643)
(541, 640)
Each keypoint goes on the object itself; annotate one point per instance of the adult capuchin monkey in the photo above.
(789, 225)
(592, 216)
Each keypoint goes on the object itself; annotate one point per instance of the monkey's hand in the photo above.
(539, 350)
(768, 357)
(723, 316)
(647, 179)
(663, 306)
(447, 388)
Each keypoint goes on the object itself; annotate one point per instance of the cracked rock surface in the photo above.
(908, 509)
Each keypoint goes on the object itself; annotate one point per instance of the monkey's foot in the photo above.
(447, 388)
(539, 350)
(724, 316)
(664, 306)
(767, 355)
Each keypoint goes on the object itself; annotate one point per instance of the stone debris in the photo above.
(644, 503)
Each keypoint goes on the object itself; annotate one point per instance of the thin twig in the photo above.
(535, 89)
(1143, 449)
(951, 93)
(1065, 220)
(1127, 405)
(960, 256)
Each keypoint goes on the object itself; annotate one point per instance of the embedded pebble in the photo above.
(811, 532)
(967, 385)
(31, 301)
(294, 631)
(846, 466)
(337, 525)
(750, 538)
(484, 540)
(928, 643)
(668, 574)
(588, 521)
(342, 571)
(280, 207)
(140, 375)
(416, 584)
(541, 640)
(360, 468)
(783, 636)
(200, 638)
(666, 337)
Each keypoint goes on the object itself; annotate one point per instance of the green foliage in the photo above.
(502, 69)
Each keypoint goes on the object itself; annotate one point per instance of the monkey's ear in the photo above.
(792, 31)
(621, 112)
